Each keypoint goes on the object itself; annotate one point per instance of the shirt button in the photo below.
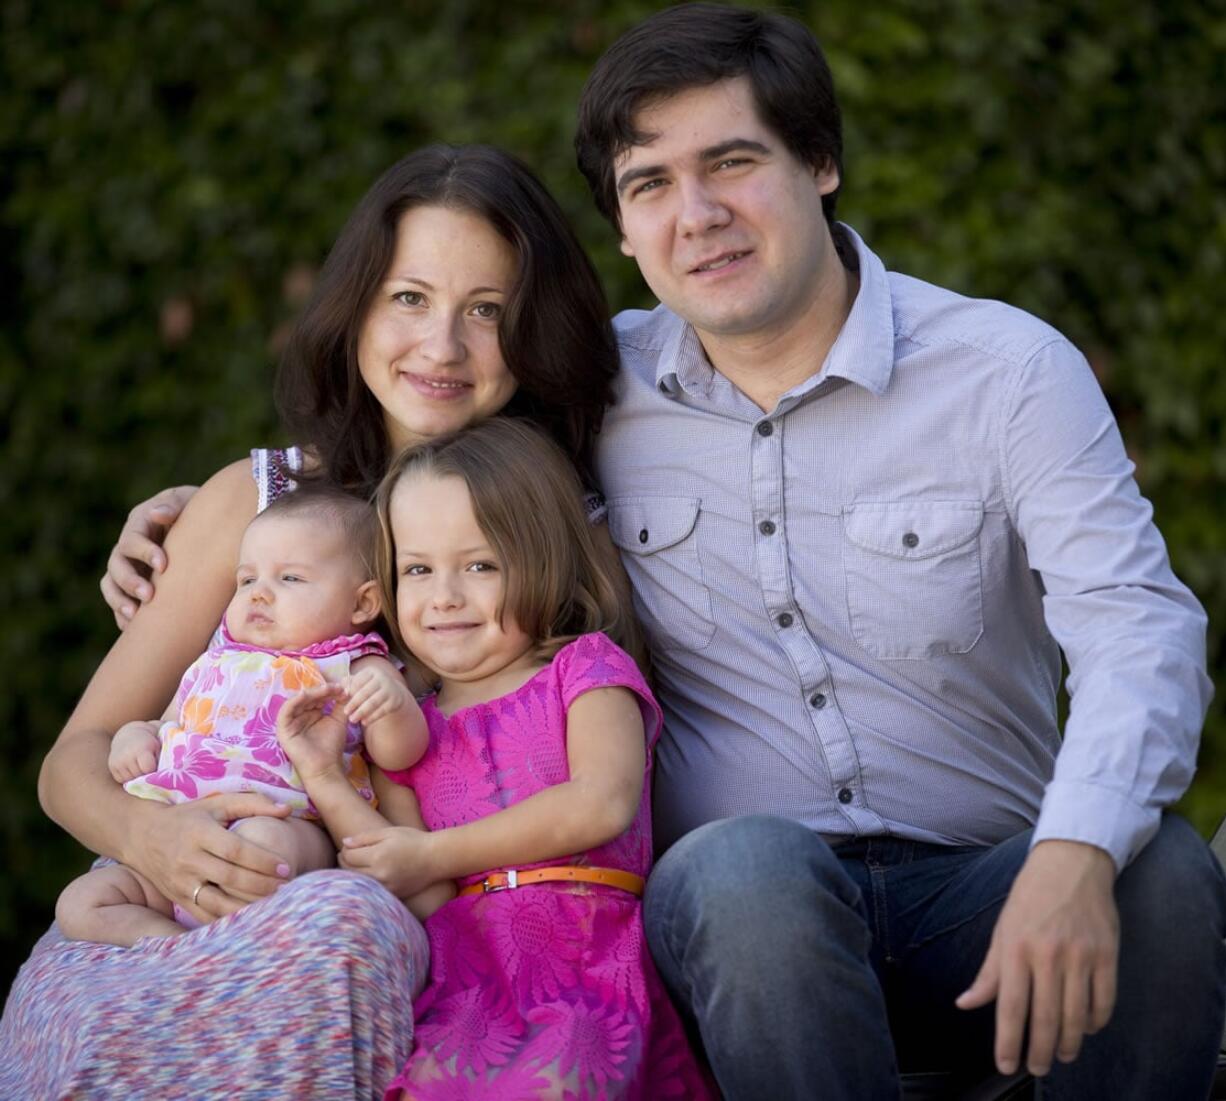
(663, 386)
(785, 619)
(910, 539)
(765, 428)
(844, 795)
(766, 527)
(817, 700)
(643, 536)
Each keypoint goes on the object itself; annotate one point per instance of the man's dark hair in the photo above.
(692, 45)
(555, 334)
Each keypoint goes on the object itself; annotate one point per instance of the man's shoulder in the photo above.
(930, 316)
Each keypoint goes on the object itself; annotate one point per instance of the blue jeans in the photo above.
(809, 971)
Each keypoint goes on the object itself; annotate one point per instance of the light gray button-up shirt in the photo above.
(856, 601)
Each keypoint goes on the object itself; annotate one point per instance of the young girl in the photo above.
(533, 785)
(304, 586)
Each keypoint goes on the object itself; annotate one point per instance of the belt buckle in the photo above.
(511, 883)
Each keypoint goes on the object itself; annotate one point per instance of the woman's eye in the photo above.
(409, 298)
(488, 311)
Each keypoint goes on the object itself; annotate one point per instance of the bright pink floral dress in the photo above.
(224, 737)
(548, 989)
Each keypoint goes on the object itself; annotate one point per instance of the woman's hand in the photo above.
(311, 728)
(188, 845)
(399, 857)
(137, 556)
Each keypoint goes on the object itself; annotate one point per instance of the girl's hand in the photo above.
(134, 750)
(398, 857)
(376, 691)
(183, 846)
(311, 733)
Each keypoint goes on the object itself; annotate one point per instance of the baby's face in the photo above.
(297, 584)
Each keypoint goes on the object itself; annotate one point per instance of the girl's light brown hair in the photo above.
(558, 583)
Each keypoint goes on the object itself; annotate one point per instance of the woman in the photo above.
(456, 291)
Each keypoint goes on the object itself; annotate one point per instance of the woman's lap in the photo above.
(307, 994)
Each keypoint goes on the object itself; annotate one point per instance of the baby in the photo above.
(300, 618)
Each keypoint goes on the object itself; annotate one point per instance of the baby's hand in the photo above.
(134, 750)
(376, 691)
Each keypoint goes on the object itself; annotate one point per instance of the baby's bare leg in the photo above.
(303, 845)
(114, 905)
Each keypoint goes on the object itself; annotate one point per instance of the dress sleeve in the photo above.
(594, 661)
(272, 468)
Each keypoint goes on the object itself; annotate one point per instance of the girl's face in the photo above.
(449, 583)
(298, 584)
(428, 349)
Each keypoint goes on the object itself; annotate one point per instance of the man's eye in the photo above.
(409, 298)
(648, 185)
(731, 162)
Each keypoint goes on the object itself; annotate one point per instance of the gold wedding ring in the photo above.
(196, 893)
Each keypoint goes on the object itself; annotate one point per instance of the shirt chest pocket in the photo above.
(658, 538)
(912, 569)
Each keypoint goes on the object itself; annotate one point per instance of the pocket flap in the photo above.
(644, 525)
(912, 529)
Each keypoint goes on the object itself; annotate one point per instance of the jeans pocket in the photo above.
(912, 569)
(658, 538)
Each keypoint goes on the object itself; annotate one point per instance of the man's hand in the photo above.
(1053, 956)
(134, 750)
(138, 557)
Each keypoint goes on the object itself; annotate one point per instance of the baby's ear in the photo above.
(366, 604)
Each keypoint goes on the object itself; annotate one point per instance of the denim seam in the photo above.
(914, 945)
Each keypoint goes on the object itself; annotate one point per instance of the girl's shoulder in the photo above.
(594, 661)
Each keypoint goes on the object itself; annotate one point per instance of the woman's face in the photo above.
(428, 349)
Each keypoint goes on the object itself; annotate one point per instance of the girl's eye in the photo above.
(483, 567)
(415, 571)
(488, 311)
(409, 298)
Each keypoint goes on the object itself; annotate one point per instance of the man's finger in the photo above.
(1012, 1006)
(1074, 1016)
(1046, 1008)
(1102, 993)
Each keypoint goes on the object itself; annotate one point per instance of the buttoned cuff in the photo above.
(1096, 815)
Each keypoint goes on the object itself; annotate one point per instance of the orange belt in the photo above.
(509, 880)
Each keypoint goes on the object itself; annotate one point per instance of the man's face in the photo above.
(725, 223)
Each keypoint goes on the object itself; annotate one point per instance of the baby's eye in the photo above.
(488, 311)
(409, 298)
(291, 577)
(242, 581)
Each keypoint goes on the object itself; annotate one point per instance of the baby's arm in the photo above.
(393, 727)
(606, 752)
(135, 747)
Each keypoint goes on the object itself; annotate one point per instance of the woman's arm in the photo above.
(605, 749)
(182, 846)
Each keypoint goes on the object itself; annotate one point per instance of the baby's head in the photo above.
(485, 554)
(305, 571)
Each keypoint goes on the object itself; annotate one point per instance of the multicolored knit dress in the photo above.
(305, 994)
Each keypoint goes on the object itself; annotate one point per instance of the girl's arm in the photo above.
(182, 846)
(393, 727)
(314, 741)
(607, 756)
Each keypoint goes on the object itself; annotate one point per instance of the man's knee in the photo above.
(1172, 897)
(749, 883)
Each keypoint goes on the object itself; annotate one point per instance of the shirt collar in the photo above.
(863, 352)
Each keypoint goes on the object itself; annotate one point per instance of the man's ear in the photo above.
(827, 176)
(366, 604)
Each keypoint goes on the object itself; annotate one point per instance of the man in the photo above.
(861, 516)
